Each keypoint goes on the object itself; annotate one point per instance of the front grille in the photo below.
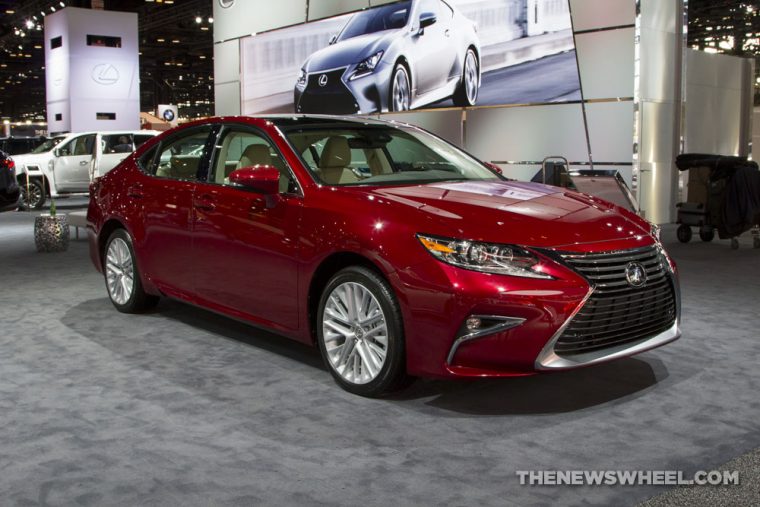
(333, 98)
(618, 313)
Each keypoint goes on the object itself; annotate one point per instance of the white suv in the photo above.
(66, 164)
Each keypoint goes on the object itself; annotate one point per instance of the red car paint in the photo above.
(232, 251)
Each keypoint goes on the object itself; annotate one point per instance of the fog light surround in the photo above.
(479, 326)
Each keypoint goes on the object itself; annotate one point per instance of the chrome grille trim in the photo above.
(650, 315)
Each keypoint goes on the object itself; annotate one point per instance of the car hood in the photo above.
(349, 52)
(513, 212)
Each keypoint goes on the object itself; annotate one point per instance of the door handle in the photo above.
(84, 162)
(135, 192)
(447, 32)
(205, 202)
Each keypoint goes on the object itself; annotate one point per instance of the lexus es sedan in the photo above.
(393, 58)
(392, 251)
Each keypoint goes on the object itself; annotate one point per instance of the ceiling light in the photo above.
(29, 24)
(52, 8)
(210, 20)
(198, 19)
(62, 4)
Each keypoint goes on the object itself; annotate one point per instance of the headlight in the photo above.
(301, 83)
(484, 257)
(367, 66)
(655, 231)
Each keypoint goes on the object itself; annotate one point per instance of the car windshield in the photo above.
(378, 19)
(48, 145)
(379, 155)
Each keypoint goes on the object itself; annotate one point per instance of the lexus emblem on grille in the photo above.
(323, 80)
(635, 274)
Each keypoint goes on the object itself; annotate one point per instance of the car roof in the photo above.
(308, 120)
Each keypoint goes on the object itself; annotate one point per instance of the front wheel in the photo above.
(466, 93)
(401, 89)
(122, 278)
(32, 195)
(360, 333)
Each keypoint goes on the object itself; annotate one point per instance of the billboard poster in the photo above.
(414, 54)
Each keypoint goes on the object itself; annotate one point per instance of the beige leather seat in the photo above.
(335, 161)
(255, 154)
(260, 154)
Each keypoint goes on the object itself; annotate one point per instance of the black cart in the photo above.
(723, 196)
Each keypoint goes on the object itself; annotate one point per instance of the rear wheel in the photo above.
(122, 278)
(706, 235)
(360, 333)
(33, 195)
(683, 233)
(466, 93)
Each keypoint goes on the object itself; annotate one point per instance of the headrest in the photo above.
(255, 154)
(336, 153)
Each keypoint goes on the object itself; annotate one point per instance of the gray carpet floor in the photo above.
(184, 407)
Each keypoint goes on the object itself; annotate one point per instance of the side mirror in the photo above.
(261, 178)
(494, 167)
(57, 152)
(427, 19)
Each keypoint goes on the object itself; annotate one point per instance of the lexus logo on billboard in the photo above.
(323, 80)
(105, 74)
(226, 3)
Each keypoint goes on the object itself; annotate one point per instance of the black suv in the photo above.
(9, 190)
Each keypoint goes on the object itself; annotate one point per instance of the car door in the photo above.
(113, 148)
(71, 166)
(433, 49)
(247, 241)
(163, 199)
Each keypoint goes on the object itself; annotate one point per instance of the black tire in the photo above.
(683, 233)
(139, 301)
(392, 375)
(461, 97)
(706, 235)
(36, 192)
(394, 103)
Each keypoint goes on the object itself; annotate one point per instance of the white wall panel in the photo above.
(245, 17)
(326, 8)
(610, 126)
(605, 60)
(662, 15)
(527, 133)
(658, 68)
(227, 62)
(591, 14)
(227, 99)
(714, 103)
(446, 124)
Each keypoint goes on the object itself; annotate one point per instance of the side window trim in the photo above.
(158, 148)
(259, 132)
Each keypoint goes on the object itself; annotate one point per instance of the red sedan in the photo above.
(395, 252)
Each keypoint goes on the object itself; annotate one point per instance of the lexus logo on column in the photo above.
(635, 274)
(105, 74)
(323, 80)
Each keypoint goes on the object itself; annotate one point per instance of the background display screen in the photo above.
(414, 54)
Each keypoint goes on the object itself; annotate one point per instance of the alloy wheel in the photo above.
(120, 273)
(355, 333)
(471, 77)
(34, 198)
(401, 90)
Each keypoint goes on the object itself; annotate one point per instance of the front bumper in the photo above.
(341, 95)
(438, 299)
